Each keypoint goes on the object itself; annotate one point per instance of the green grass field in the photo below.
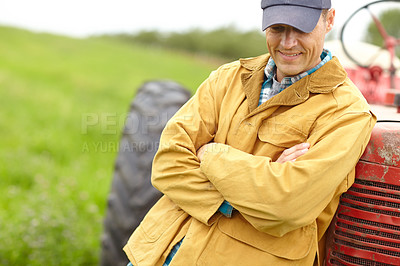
(63, 105)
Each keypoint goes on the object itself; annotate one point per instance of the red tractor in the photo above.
(366, 227)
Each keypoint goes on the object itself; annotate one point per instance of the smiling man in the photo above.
(252, 167)
(295, 41)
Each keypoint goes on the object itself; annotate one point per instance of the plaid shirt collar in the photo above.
(268, 91)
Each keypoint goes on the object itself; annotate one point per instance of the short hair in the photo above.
(324, 13)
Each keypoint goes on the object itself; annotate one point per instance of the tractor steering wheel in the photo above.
(390, 42)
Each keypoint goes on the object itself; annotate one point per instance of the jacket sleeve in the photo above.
(176, 168)
(278, 198)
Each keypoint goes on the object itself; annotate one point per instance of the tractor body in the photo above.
(366, 227)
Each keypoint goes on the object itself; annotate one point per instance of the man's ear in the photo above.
(330, 19)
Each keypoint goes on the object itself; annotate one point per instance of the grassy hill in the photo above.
(53, 182)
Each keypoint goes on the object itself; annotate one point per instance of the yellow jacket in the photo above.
(282, 210)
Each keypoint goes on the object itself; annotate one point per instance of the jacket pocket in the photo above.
(280, 134)
(153, 236)
(160, 217)
(294, 245)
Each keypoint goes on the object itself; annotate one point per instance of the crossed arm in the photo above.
(288, 155)
(275, 197)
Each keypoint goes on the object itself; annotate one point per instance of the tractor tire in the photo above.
(132, 194)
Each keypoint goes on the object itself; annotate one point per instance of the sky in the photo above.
(81, 18)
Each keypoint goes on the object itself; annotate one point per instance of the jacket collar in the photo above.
(324, 80)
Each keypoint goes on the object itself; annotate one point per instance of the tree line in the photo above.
(227, 43)
(230, 43)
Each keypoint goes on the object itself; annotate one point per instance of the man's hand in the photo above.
(291, 154)
(200, 152)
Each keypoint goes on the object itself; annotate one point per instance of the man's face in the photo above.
(294, 51)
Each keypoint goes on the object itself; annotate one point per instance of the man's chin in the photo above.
(289, 72)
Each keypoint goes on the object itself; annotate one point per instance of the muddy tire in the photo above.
(132, 194)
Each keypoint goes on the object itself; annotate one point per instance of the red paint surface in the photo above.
(374, 85)
(366, 226)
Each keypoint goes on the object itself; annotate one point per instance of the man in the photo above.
(252, 167)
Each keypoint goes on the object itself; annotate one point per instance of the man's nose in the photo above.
(289, 39)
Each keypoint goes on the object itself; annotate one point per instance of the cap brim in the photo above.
(302, 18)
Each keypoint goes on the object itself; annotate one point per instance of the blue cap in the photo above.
(301, 14)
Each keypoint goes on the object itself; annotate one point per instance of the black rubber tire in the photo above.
(132, 194)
